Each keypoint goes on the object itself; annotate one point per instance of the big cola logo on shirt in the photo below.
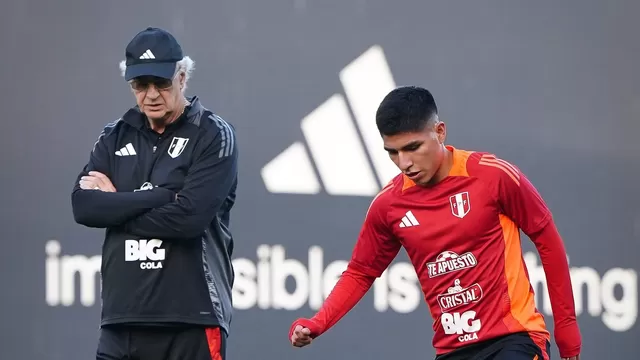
(463, 324)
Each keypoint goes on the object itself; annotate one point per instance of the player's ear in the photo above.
(441, 131)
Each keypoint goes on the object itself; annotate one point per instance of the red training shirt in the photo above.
(462, 236)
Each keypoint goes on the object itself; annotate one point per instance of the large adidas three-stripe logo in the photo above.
(334, 141)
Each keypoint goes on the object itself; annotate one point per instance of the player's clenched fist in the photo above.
(301, 336)
(302, 332)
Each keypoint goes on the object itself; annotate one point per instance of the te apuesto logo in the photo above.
(261, 283)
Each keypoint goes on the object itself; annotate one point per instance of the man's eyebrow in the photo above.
(413, 143)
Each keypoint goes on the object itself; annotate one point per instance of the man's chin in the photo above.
(425, 180)
(157, 117)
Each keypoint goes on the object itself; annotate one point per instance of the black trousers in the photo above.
(519, 346)
(161, 343)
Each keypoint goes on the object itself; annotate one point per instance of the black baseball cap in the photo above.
(152, 52)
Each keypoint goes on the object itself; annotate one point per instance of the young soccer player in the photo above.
(458, 214)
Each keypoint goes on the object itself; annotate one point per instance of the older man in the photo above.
(162, 180)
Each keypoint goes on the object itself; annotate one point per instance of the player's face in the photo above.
(418, 154)
(158, 98)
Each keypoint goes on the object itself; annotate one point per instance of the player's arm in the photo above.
(522, 203)
(210, 177)
(100, 209)
(372, 254)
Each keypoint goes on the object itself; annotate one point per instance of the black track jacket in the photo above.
(166, 256)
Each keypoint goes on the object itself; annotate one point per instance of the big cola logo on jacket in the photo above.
(149, 253)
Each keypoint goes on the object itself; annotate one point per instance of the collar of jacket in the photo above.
(138, 120)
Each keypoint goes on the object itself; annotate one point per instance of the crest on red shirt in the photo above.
(460, 204)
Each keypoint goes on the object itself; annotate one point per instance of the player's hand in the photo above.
(577, 357)
(301, 336)
(302, 332)
(96, 181)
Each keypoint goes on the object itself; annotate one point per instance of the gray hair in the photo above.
(186, 65)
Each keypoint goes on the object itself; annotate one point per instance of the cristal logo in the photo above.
(264, 281)
(457, 296)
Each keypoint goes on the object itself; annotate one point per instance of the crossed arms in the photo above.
(158, 212)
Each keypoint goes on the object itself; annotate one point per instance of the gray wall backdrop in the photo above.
(551, 86)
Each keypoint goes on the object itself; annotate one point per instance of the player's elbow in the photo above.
(84, 211)
(89, 219)
(360, 274)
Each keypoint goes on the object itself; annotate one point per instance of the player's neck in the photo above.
(445, 168)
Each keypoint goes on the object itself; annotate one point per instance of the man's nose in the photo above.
(152, 91)
(404, 161)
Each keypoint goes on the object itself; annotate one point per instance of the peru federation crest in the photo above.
(177, 146)
(460, 204)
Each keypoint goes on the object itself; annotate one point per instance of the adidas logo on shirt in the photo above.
(127, 150)
(409, 220)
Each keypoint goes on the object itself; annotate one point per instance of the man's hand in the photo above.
(301, 336)
(577, 357)
(96, 181)
(303, 331)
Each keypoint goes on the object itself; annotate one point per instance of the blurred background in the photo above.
(551, 86)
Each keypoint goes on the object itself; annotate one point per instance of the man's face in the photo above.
(158, 98)
(418, 154)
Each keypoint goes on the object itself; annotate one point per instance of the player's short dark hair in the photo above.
(405, 109)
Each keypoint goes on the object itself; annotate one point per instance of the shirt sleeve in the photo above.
(208, 183)
(348, 291)
(374, 250)
(556, 268)
(521, 202)
(376, 246)
(99, 209)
